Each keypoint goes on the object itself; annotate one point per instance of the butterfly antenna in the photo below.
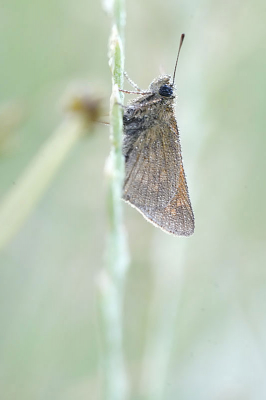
(180, 45)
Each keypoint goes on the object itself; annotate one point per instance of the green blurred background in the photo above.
(195, 308)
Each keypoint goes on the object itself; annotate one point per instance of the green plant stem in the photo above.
(113, 277)
(28, 189)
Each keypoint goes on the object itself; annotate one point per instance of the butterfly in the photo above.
(155, 182)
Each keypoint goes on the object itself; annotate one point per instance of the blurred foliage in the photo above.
(195, 307)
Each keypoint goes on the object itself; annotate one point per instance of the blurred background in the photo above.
(195, 308)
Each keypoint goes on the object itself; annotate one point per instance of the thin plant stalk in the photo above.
(22, 198)
(112, 280)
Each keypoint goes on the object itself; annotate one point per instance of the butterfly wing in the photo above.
(155, 181)
(153, 161)
(177, 217)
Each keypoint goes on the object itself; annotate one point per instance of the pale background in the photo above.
(211, 288)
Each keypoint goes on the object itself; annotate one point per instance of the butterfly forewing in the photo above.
(149, 183)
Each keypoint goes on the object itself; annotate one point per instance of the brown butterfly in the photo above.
(155, 182)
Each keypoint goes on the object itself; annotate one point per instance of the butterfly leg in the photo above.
(121, 105)
(149, 103)
(134, 92)
(131, 82)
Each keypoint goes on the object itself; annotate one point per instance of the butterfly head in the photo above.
(162, 87)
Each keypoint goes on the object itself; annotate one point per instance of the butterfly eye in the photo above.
(165, 91)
